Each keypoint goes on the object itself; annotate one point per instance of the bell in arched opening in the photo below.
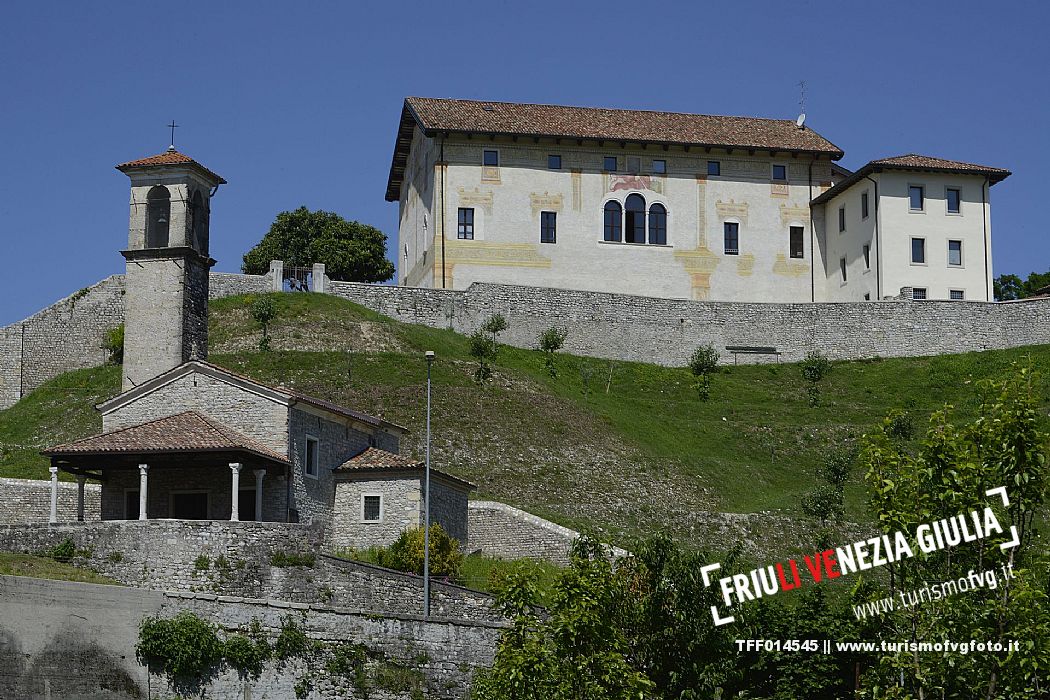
(158, 216)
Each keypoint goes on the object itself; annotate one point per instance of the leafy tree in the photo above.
(551, 341)
(350, 251)
(702, 363)
(406, 552)
(113, 343)
(483, 348)
(495, 325)
(1010, 287)
(264, 310)
(815, 367)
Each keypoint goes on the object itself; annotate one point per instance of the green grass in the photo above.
(627, 452)
(45, 567)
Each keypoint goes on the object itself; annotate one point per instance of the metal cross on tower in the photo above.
(172, 126)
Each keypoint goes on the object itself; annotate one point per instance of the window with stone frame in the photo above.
(371, 508)
(310, 460)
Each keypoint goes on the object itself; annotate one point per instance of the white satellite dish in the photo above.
(801, 120)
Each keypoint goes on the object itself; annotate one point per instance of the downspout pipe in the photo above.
(878, 245)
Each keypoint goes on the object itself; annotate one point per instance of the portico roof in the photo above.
(184, 433)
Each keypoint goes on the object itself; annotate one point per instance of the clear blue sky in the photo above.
(297, 103)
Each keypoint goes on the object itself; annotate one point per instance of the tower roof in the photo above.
(169, 157)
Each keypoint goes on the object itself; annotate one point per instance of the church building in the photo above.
(677, 205)
(187, 439)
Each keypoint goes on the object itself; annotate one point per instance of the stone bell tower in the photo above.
(166, 280)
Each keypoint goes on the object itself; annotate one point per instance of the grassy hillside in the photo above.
(623, 448)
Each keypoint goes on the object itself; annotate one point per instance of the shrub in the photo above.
(836, 467)
(494, 326)
(282, 559)
(201, 563)
(483, 349)
(184, 647)
(113, 343)
(245, 655)
(551, 341)
(900, 425)
(702, 363)
(347, 659)
(815, 367)
(64, 551)
(292, 641)
(824, 504)
(406, 553)
(264, 310)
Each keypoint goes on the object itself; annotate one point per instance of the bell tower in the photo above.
(167, 264)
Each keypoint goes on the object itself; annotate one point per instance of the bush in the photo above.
(836, 467)
(245, 655)
(263, 311)
(64, 551)
(494, 326)
(292, 641)
(551, 341)
(900, 425)
(702, 363)
(283, 559)
(815, 367)
(184, 647)
(113, 343)
(406, 553)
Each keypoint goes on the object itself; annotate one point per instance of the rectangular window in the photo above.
(465, 227)
(867, 256)
(842, 268)
(634, 165)
(780, 173)
(609, 164)
(732, 238)
(554, 162)
(952, 195)
(916, 197)
(867, 297)
(864, 205)
(956, 295)
(918, 292)
(955, 253)
(714, 167)
(796, 245)
(491, 158)
(371, 508)
(548, 226)
(660, 167)
(310, 464)
(918, 251)
(842, 218)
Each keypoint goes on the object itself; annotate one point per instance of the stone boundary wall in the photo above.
(235, 558)
(29, 501)
(666, 331)
(498, 530)
(67, 334)
(63, 639)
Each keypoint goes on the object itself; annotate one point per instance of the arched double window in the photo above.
(158, 214)
(633, 222)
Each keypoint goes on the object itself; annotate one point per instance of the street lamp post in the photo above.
(426, 500)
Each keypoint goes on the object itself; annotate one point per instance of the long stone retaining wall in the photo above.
(75, 640)
(68, 334)
(29, 501)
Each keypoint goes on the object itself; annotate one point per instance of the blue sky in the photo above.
(297, 103)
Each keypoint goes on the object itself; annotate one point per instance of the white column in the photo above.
(80, 497)
(143, 468)
(259, 474)
(235, 467)
(54, 495)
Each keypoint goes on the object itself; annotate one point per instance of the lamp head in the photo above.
(429, 354)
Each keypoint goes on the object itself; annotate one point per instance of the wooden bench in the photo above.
(752, 350)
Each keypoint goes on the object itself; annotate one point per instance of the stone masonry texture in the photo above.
(29, 501)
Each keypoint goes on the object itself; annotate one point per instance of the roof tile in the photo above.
(169, 157)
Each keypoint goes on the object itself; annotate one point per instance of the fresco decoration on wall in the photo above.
(793, 212)
(789, 268)
(577, 189)
(625, 181)
(745, 264)
(487, 254)
(476, 198)
(544, 202)
(732, 210)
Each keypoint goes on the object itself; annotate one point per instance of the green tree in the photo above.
(702, 363)
(1010, 287)
(551, 341)
(815, 367)
(350, 251)
(113, 343)
(264, 310)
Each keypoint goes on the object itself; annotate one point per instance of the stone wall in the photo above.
(75, 640)
(29, 501)
(498, 530)
(238, 558)
(666, 331)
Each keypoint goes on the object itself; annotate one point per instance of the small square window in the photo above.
(955, 253)
(714, 167)
(864, 205)
(796, 245)
(918, 250)
(609, 164)
(842, 268)
(371, 508)
(554, 162)
(953, 197)
(957, 295)
(634, 165)
(842, 218)
(732, 238)
(867, 256)
(491, 158)
(660, 167)
(780, 173)
(465, 226)
(310, 465)
(867, 297)
(548, 226)
(918, 293)
(916, 197)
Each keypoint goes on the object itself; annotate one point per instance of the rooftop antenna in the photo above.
(172, 126)
(801, 121)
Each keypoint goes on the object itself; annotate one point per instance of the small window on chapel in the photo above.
(371, 508)
(310, 465)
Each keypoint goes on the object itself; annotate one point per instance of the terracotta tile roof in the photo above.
(916, 162)
(373, 460)
(184, 432)
(169, 157)
(626, 125)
